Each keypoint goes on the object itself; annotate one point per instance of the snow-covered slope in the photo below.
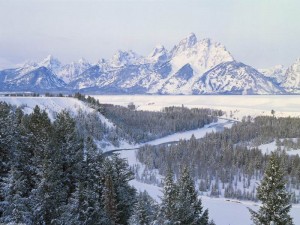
(277, 73)
(292, 78)
(52, 105)
(235, 78)
(70, 72)
(50, 63)
(158, 55)
(124, 58)
(40, 79)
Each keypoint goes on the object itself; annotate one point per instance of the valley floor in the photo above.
(235, 106)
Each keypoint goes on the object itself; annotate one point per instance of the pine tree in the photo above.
(180, 202)
(69, 145)
(85, 206)
(125, 193)
(109, 199)
(169, 200)
(275, 199)
(17, 207)
(189, 207)
(6, 138)
(145, 210)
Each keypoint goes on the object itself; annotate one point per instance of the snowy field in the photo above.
(270, 147)
(237, 105)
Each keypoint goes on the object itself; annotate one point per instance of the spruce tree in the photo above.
(189, 208)
(180, 202)
(109, 199)
(17, 207)
(6, 138)
(66, 140)
(273, 195)
(85, 206)
(169, 200)
(145, 210)
(125, 193)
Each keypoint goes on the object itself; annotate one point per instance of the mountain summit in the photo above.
(193, 66)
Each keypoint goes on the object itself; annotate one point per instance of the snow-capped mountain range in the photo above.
(191, 67)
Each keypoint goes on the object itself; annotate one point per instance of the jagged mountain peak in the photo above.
(292, 77)
(50, 59)
(158, 49)
(186, 43)
(158, 54)
(277, 73)
(83, 61)
(50, 63)
(71, 71)
(101, 61)
(202, 55)
(123, 58)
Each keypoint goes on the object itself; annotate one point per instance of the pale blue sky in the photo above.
(260, 33)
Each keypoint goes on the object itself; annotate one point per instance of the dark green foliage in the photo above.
(53, 174)
(90, 100)
(5, 140)
(145, 210)
(124, 193)
(169, 199)
(142, 126)
(180, 202)
(273, 195)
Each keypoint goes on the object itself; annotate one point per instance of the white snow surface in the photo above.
(271, 147)
(52, 105)
(184, 135)
(198, 133)
(292, 77)
(276, 72)
(235, 106)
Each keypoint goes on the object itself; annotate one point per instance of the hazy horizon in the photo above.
(258, 33)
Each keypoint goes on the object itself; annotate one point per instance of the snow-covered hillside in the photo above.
(292, 77)
(277, 73)
(235, 78)
(52, 105)
(71, 71)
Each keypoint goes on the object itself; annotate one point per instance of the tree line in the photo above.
(139, 126)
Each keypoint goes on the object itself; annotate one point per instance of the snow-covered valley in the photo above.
(235, 106)
(222, 211)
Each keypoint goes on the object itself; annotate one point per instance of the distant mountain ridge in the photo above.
(191, 67)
